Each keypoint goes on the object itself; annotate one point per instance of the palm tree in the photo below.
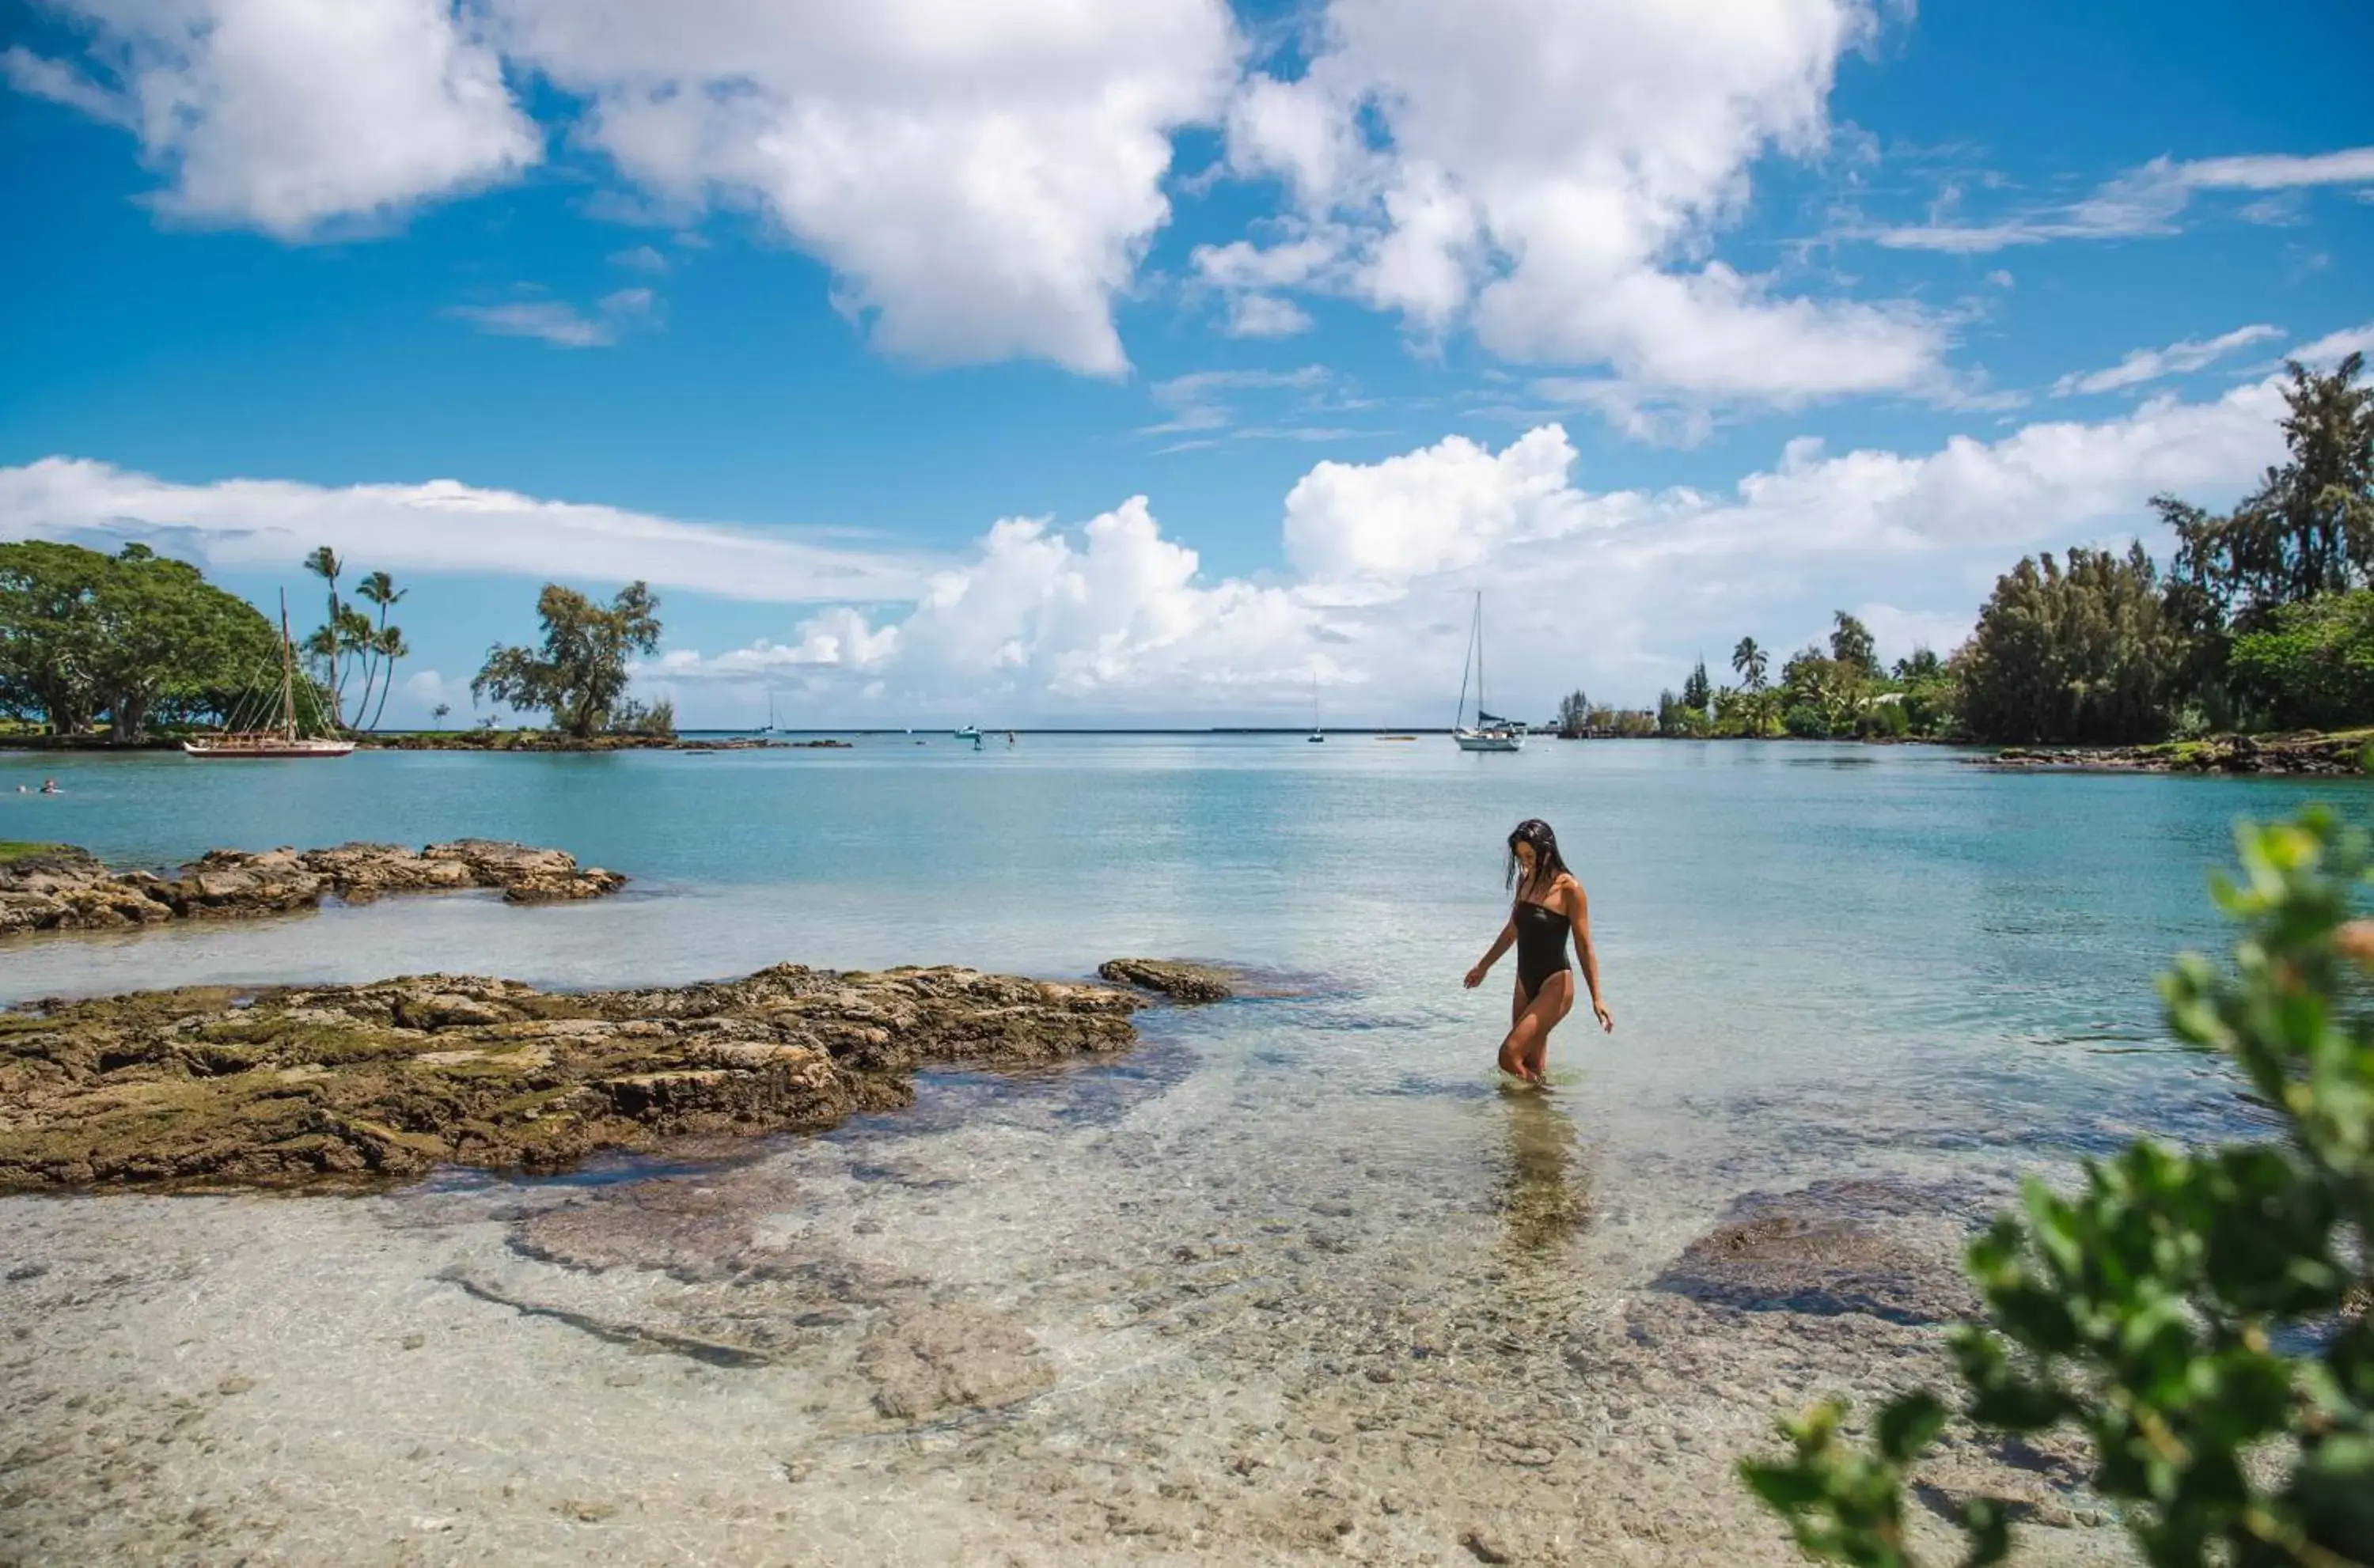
(389, 645)
(1748, 663)
(379, 589)
(323, 563)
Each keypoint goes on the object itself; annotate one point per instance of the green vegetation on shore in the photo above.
(13, 850)
(2203, 1319)
(132, 642)
(2263, 620)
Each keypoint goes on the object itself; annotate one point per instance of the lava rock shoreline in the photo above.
(348, 1086)
(61, 887)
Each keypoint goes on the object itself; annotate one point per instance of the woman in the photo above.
(1549, 906)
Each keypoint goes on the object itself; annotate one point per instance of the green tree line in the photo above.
(2261, 619)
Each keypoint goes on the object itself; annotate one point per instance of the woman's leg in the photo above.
(1512, 1061)
(1549, 1008)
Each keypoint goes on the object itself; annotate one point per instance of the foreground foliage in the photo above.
(2200, 1318)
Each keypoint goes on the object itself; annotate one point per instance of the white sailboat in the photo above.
(1318, 735)
(281, 740)
(1489, 733)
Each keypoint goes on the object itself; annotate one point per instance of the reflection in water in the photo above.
(1545, 1193)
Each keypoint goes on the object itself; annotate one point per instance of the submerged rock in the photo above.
(1172, 977)
(360, 1085)
(1826, 1249)
(68, 889)
(929, 1358)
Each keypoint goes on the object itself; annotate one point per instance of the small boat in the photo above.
(1317, 735)
(969, 732)
(279, 742)
(1490, 732)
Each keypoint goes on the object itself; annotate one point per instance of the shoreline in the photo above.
(2308, 753)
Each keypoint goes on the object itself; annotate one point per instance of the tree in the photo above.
(1574, 713)
(333, 633)
(1698, 692)
(581, 675)
(2310, 663)
(1851, 644)
(1922, 666)
(1747, 661)
(1821, 695)
(2084, 654)
(136, 637)
(2308, 528)
(2200, 1317)
(384, 645)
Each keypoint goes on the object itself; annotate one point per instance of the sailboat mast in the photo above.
(288, 673)
(1466, 665)
(1479, 657)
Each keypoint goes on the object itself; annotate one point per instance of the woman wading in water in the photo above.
(1549, 907)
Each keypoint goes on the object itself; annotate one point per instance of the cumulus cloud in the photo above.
(2179, 358)
(440, 526)
(1618, 591)
(1548, 171)
(2142, 202)
(981, 179)
(289, 116)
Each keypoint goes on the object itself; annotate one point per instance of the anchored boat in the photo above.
(274, 741)
(1490, 732)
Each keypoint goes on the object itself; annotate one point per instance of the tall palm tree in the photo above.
(324, 564)
(1748, 663)
(379, 589)
(389, 648)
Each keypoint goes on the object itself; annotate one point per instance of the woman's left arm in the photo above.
(1577, 915)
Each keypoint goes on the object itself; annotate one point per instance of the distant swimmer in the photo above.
(50, 787)
(1009, 737)
(1549, 907)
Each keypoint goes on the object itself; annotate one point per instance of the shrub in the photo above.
(2311, 665)
(2199, 1318)
(1806, 721)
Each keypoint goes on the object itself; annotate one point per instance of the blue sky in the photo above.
(1028, 362)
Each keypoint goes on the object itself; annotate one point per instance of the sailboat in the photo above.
(1317, 735)
(1489, 733)
(969, 732)
(281, 741)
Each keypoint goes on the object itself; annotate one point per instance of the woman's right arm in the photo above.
(1501, 944)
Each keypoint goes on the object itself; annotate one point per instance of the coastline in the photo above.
(2305, 754)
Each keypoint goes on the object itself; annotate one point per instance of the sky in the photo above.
(1067, 362)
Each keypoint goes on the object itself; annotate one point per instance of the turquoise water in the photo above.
(1831, 917)
(1823, 962)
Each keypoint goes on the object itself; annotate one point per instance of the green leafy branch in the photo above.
(2200, 1318)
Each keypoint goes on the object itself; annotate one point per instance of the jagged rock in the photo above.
(1178, 980)
(67, 889)
(355, 1084)
(1825, 1249)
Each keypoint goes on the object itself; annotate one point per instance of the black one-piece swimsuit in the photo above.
(1541, 944)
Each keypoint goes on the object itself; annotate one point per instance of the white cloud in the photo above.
(981, 179)
(1550, 172)
(288, 115)
(639, 258)
(440, 526)
(1203, 402)
(1266, 315)
(2333, 347)
(2179, 358)
(561, 324)
(2142, 202)
(1617, 591)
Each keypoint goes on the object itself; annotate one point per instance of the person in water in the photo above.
(1548, 908)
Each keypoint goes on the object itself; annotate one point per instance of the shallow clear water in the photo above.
(1823, 962)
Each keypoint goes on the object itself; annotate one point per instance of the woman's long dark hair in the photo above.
(1548, 864)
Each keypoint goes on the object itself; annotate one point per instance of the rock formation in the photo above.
(362, 1084)
(1174, 979)
(67, 889)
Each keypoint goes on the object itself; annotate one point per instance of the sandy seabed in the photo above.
(1137, 1315)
